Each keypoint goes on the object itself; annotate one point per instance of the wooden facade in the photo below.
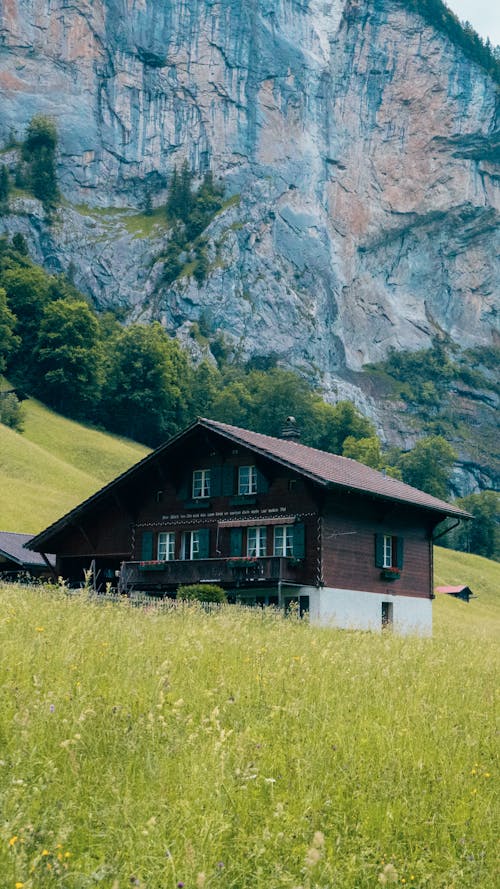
(267, 519)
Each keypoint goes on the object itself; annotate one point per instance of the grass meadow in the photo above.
(53, 465)
(163, 749)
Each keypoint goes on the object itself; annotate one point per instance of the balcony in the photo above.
(230, 572)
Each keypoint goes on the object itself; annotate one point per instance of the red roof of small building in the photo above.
(452, 589)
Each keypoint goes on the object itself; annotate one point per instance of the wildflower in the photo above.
(312, 857)
(13, 841)
(318, 839)
(67, 854)
(45, 852)
(180, 884)
(220, 864)
(388, 875)
(200, 880)
(52, 708)
(19, 885)
(40, 629)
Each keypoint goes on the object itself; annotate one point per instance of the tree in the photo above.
(428, 465)
(369, 452)
(39, 151)
(27, 295)
(11, 411)
(9, 342)
(4, 188)
(69, 358)
(482, 536)
(147, 386)
(334, 423)
(19, 244)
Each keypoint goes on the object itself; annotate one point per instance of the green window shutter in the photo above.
(236, 542)
(216, 481)
(262, 483)
(204, 538)
(227, 480)
(299, 541)
(399, 552)
(379, 550)
(147, 546)
(183, 490)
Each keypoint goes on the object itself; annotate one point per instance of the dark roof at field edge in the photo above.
(12, 546)
(320, 466)
(323, 467)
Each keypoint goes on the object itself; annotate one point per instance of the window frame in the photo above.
(194, 545)
(286, 548)
(203, 486)
(166, 545)
(250, 484)
(388, 551)
(259, 549)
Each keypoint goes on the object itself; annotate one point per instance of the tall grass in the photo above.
(233, 749)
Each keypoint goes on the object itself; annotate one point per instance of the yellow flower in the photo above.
(45, 852)
(67, 854)
(40, 629)
(12, 841)
(19, 885)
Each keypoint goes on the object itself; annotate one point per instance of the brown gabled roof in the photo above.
(320, 466)
(326, 468)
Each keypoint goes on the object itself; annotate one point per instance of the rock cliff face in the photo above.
(360, 141)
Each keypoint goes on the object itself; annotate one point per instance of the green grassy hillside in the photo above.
(483, 577)
(53, 465)
(241, 750)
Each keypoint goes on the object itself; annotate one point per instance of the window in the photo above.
(247, 480)
(201, 483)
(389, 551)
(387, 563)
(166, 546)
(283, 540)
(195, 544)
(256, 541)
(190, 545)
(387, 615)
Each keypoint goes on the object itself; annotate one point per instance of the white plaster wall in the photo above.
(359, 610)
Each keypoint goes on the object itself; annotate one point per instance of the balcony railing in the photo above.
(229, 572)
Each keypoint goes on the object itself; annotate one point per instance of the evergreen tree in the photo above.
(39, 152)
(4, 189)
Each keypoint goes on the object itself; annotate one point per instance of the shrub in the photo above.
(202, 592)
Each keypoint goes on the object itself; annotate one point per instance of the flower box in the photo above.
(243, 562)
(152, 566)
(390, 573)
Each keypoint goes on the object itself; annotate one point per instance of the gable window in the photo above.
(166, 546)
(247, 480)
(257, 541)
(283, 540)
(201, 484)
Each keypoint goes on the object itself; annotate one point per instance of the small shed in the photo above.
(458, 592)
(16, 560)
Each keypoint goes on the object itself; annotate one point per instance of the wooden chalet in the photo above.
(271, 520)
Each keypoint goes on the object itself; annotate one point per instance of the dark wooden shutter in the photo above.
(262, 483)
(399, 552)
(147, 546)
(227, 480)
(216, 481)
(379, 550)
(204, 538)
(299, 541)
(184, 490)
(236, 542)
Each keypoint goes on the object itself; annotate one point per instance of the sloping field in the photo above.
(241, 750)
(53, 465)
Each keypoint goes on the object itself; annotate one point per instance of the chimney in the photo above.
(290, 430)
